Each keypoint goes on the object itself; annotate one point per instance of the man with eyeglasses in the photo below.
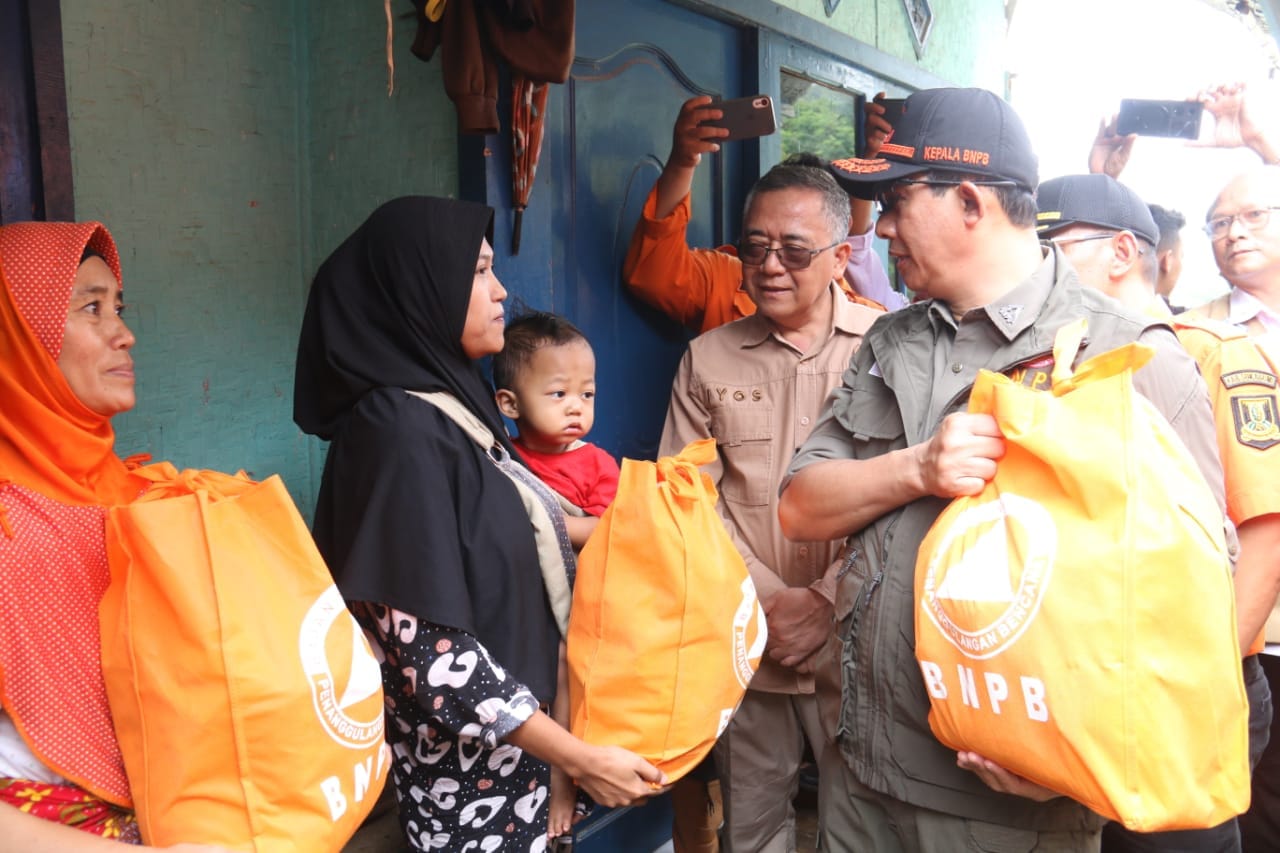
(1239, 223)
(702, 288)
(895, 443)
(1109, 236)
(757, 385)
(1244, 226)
(1245, 235)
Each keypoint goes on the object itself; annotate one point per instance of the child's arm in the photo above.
(579, 528)
(564, 794)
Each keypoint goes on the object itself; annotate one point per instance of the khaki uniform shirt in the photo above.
(759, 398)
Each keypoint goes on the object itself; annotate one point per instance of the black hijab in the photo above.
(387, 310)
(411, 513)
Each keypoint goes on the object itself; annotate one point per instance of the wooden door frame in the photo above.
(35, 139)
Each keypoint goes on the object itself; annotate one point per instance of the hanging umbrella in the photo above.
(528, 115)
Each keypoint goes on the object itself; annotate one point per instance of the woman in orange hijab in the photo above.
(65, 371)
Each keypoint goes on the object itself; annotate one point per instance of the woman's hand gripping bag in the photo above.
(665, 631)
(246, 700)
(1075, 622)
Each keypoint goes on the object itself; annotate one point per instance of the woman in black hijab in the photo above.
(429, 539)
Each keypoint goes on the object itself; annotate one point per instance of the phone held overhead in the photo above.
(1178, 119)
(745, 118)
(892, 109)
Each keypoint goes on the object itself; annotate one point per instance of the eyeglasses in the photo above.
(887, 197)
(1258, 217)
(1062, 241)
(1105, 235)
(791, 257)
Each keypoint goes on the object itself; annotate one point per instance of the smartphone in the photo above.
(746, 118)
(1160, 118)
(892, 109)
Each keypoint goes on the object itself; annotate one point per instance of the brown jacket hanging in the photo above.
(533, 37)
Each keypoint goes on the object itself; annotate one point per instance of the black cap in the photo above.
(969, 131)
(1093, 200)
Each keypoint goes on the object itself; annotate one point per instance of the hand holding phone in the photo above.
(1176, 119)
(745, 118)
(892, 109)
(690, 139)
(880, 115)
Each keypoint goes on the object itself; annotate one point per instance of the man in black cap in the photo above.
(1110, 236)
(955, 185)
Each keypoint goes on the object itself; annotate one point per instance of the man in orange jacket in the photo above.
(702, 288)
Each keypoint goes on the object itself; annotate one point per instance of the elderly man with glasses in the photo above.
(1245, 231)
(1244, 225)
(895, 443)
(757, 385)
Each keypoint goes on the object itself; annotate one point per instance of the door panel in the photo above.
(608, 133)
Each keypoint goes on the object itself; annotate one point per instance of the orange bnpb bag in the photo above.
(665, 630)
(246, 700)
(1075, 621)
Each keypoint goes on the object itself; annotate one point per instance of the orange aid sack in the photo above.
(246, 699)
(1075, 622)
(665, 631)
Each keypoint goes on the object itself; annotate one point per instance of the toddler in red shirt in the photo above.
(546, 383)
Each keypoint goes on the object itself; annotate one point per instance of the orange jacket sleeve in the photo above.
(699, 288)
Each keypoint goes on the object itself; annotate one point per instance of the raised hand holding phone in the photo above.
(1110, 151)
(690, 139)
(745, 118)
(1238, 121)
(692, 136)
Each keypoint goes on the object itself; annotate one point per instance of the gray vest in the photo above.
(884, 731)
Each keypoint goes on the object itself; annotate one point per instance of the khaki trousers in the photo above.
(758, 757)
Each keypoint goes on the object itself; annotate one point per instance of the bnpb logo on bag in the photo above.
(346, 691)
(980, 598)
(333, 649)
(982, 589)
(747, 649)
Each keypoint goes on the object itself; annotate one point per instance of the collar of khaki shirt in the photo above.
(848, 317)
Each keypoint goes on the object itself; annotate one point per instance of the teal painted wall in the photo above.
(230, 147)
(185, 140)
(965, 46)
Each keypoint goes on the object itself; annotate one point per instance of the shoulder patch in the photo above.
(1255, 420)
(1236, 378)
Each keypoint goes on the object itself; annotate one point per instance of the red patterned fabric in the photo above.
(38, 258)
(68, 805)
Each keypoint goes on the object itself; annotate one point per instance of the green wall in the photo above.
(230, 147)
(965, 45)
(185, 141)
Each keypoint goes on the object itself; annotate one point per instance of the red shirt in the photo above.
(586, 475)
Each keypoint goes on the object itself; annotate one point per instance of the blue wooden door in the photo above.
(608, 132)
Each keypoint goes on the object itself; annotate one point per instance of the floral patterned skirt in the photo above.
(72, 806)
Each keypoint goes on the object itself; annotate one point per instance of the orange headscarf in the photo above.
(49, 440)
(58, 473)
